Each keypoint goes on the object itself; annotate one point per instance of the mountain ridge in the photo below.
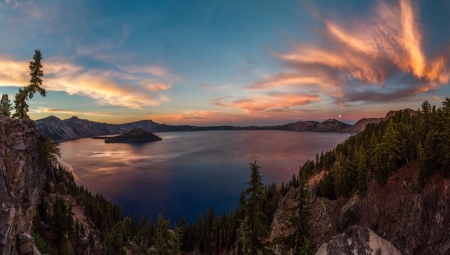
(74, 127)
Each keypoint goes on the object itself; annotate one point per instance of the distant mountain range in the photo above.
(74, 127)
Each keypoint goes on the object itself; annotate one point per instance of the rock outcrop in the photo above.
(21, 181)
(357, 240)
(413, 221)
(360, 125)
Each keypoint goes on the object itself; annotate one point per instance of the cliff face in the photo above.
(21, 181)
(360, 125)
(396, 217)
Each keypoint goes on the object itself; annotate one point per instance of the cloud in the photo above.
(195, 115)
(69, 112)
(268, 102)
(379, 59)
(157, 86)
(131, 90)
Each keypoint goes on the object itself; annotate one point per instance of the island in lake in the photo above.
(135, 135)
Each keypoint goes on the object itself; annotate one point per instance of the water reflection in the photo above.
(188, 171)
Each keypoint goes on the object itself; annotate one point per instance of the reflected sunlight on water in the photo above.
(188, 171)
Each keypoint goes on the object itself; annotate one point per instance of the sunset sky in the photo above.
(227, 62)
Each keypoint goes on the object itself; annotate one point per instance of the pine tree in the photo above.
(445, 148)
(254, 228)
(296, 221)
(48, 152)
(166, 241)
(361, 178)
(386, 153)
(36, 74)
(5, 106)
(20, 104)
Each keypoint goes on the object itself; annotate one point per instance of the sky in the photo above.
(227, 62)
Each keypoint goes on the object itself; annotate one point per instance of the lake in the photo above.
(188, 171)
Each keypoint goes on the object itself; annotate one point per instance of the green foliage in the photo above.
(407, 136)
(36, 74)
(167, 242)
(20, 102)
(41, 244)
(298, 240)
(253, 226)
(361, 178)
(5, 106)
(48, 152)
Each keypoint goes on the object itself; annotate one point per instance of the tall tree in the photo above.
(36, 74)
(296, 222)
(166, 240)
(5, 106)
(254, 228)
(361, 178)
(20, 104)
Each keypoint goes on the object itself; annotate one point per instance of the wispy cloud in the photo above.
(69, 112)
(132, 90)
(378, 59)
(270, 101)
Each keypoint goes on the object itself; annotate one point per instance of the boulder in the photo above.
(358, 240)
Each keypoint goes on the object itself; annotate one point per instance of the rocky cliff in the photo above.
(21, 181)
(396, 217)
(74, 127)
(360, 125)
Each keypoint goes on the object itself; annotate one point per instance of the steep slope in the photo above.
(74, 127)
(360, 125)
(21, 179)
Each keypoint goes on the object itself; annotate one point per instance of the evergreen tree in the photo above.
(386, 153)
(20, 104)
(48, 152)
(36, 73)
(254, 228)
(166, 241)
(295, 221)
(361, 178)
(5, 106)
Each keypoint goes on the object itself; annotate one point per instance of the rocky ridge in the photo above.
(21, 179)
(73, 128)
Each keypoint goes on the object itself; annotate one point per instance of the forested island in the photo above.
(135, 135)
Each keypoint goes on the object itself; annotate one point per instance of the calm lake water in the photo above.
(188, 171)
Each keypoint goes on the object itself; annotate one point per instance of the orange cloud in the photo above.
(108, 87)
(354, 61)
(69, 112)
(260, 103)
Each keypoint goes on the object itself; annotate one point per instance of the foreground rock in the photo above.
(358, 240)
(136, 135)
(21, 181)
